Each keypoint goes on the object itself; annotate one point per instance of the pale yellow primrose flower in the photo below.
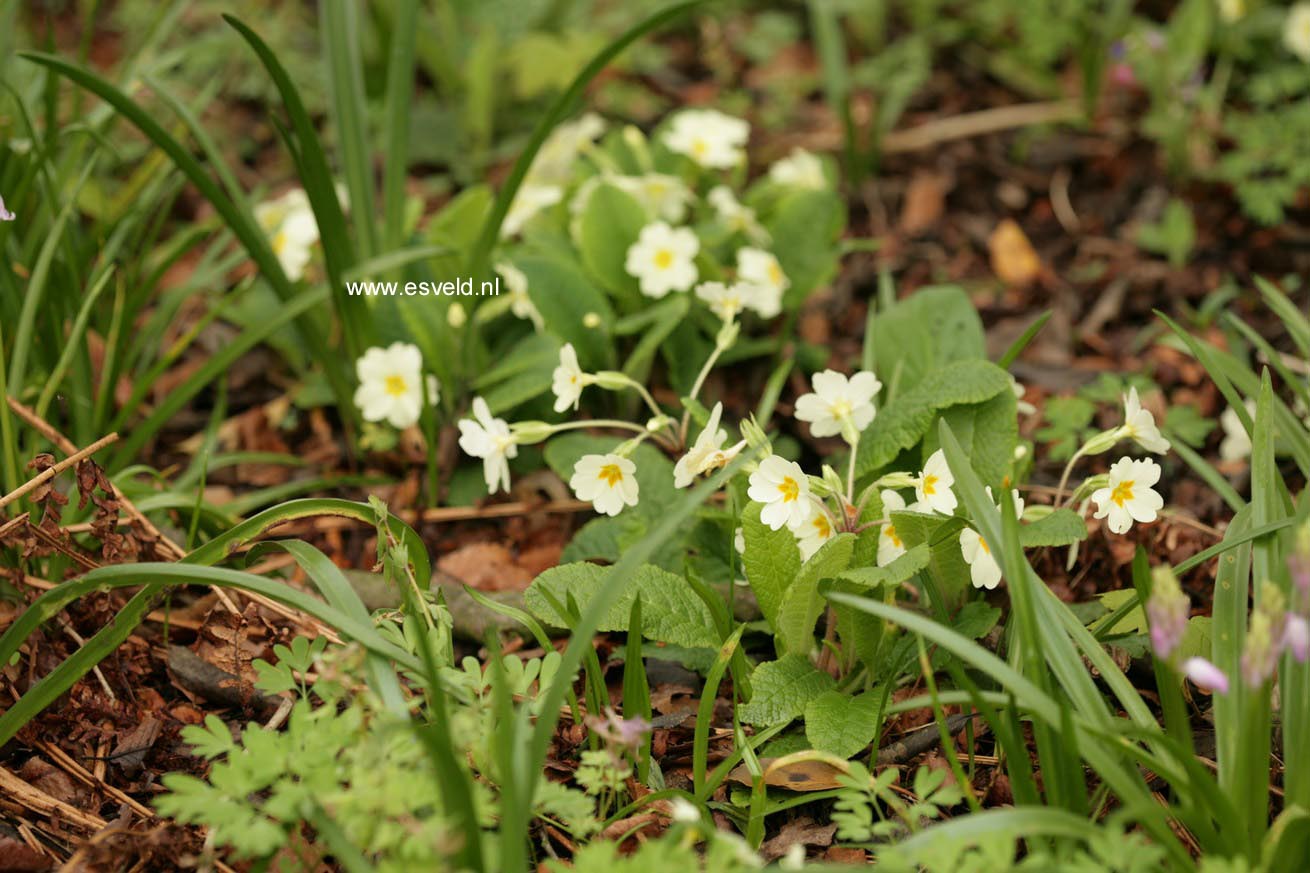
(516, 282)
(1139, 425)
(528, 201)
(390, 384)
(663, 259)
(1236, 443)
(890, 545)
(735, 216)
(568, 380)
(725, 301)
(609, 482)
(761, 270)
(1129, 497)
(800, 169)
(932, 489)
(292, 231)
(784, 489)
(707, 453)
(984, 570)
(837, 403)
(554, 163)
(811, 536)
(489, 439)
(708, 137)
(664, 196)
(1296, 31)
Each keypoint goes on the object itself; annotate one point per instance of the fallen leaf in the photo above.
(801, 771)
(486, 567)
(15, 857)
(925, 201)
(801, 831)
(1014, 261)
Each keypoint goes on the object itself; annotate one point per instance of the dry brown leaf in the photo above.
(925, 201)
(1014, 260)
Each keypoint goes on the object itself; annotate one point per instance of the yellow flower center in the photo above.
(840, 408)
(1122, 492)
(279, 242)
(395, 386)
(982, 544)
(790, 489)
(610, 474)
(699, 147)
(890, 533)
(929, 484)
(823, 526)
(663, 259)
(775, 273)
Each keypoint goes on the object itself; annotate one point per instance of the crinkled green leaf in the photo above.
(842, 724)
(772, 561)
(781, 690)
(905, 566)
(802, 603)
(988, 431)
(906, 420)
(1064, 527)
(925, 331)
(670, 610)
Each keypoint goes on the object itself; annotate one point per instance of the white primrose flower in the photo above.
(933, 487)
(811, 535)
(489, 439)
(609, 482)
(838, 403)
(519, 302)
(663, 259)
(1139, 425)
(783, 488)
(1296, 31)
(528, 201)
(390, 384)
(708, 137)
(664, 196)
(761, 271)
(568, 380)
(984, 570)
(1129, 496)
(292, 231)
(725, 301)
(684, 811)
(555, 160)
(1236, 443)
(890, 545)
(707, 453)
(735, 216)
(800, 169)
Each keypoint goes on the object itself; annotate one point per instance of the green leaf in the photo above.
(1064, 527)
(671, 612)
(905, 421)
(771, 562)
(989, 431)
(782, 689)
(841, 724)
(905, 566)
(606, 229)
(805, 228)
(925, 331)
(564, 296)
(802, 603)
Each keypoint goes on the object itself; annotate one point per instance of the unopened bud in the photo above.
(612, 380)
(591, 320)
(1102, 442)
(833, 480)
(754, 436)
(527, 433)
(1167, 612)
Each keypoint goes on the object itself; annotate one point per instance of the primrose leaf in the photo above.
(607, 227)
(781, 690)
(904, 422)
(670, 611)
(564, 296)
(1064, 527)
(842, 724)
(805, 228)
(988, 431)
(771, 562)
(924, 332)
(905, 566)
(802, 603)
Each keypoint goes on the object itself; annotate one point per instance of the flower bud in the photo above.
(658, 422)
(527, 433)
(727, 335)
(896, 480)
(1102, 442)
(1296, 637)
(833, 480)
(1299, 564)
(1205, 675)
(754, 436)
(591, 320)
(456, 317)
(612, 380)
(1167, 612)
(820, 488)
(1260, 656)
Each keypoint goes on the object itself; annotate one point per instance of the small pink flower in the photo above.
(5, 214)
(1296, 636)
(1205, 675)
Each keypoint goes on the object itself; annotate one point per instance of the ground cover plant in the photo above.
(597, 436)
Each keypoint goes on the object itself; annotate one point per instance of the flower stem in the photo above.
(695, 389)
(850, 474)
(1058, 499)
